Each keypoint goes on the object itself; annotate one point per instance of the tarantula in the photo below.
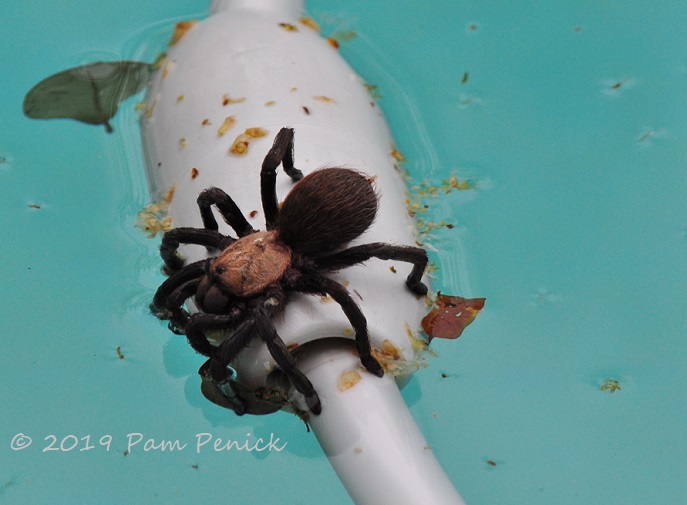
(245, 285)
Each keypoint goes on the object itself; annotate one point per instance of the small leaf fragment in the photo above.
(180, 29)
(309, 22)
(227, 100)
(288, 27)
(240, 145)
(348, 379)
(229, 121)
(343, 36)
(397, 155)
(153, 218)
(325, 99)
(450, 316)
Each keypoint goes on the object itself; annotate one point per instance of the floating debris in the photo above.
(425, 188)
(145, 110)
(425, 227)
(348, 379)
(288, 27)
(373, 90)
(451, 315)
(180, 30)
(394, 362)
(240, 145)
(310, 23)
(153, 218)
(229, 121)
(610, 385)
(342, 37)
(159, 61)
(398, 155)
(322, 98)
(227, 100)
(472, 28)
(648, 135)
(168, 67)
(468, 99)
(613, 87)
(416, 204)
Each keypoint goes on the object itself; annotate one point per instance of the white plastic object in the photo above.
(254, 65)
(369, 435)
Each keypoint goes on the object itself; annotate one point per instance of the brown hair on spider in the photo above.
(241, 289)
(327, 209)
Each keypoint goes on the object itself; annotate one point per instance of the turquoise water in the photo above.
(569, 121)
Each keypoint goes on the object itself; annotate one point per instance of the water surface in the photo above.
(568, 122)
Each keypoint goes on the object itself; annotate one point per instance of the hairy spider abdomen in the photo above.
(326, 209)
(251, 264)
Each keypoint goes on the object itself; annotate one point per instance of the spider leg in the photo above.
(201, 322)
(219, 372)
(314, 283)
(358, 254)
(280, 153)
(162, 306)
(174, 238)
(259, 323)
(282, 356)
(227, 207)
(179, 317)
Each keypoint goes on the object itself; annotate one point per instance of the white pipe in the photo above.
(369, 435)
(254, 62)
(283, 6)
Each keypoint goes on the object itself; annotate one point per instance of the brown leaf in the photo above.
(450, 316)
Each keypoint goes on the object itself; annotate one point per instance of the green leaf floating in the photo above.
(90, 93)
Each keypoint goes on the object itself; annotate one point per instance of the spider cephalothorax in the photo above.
(243, 287)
